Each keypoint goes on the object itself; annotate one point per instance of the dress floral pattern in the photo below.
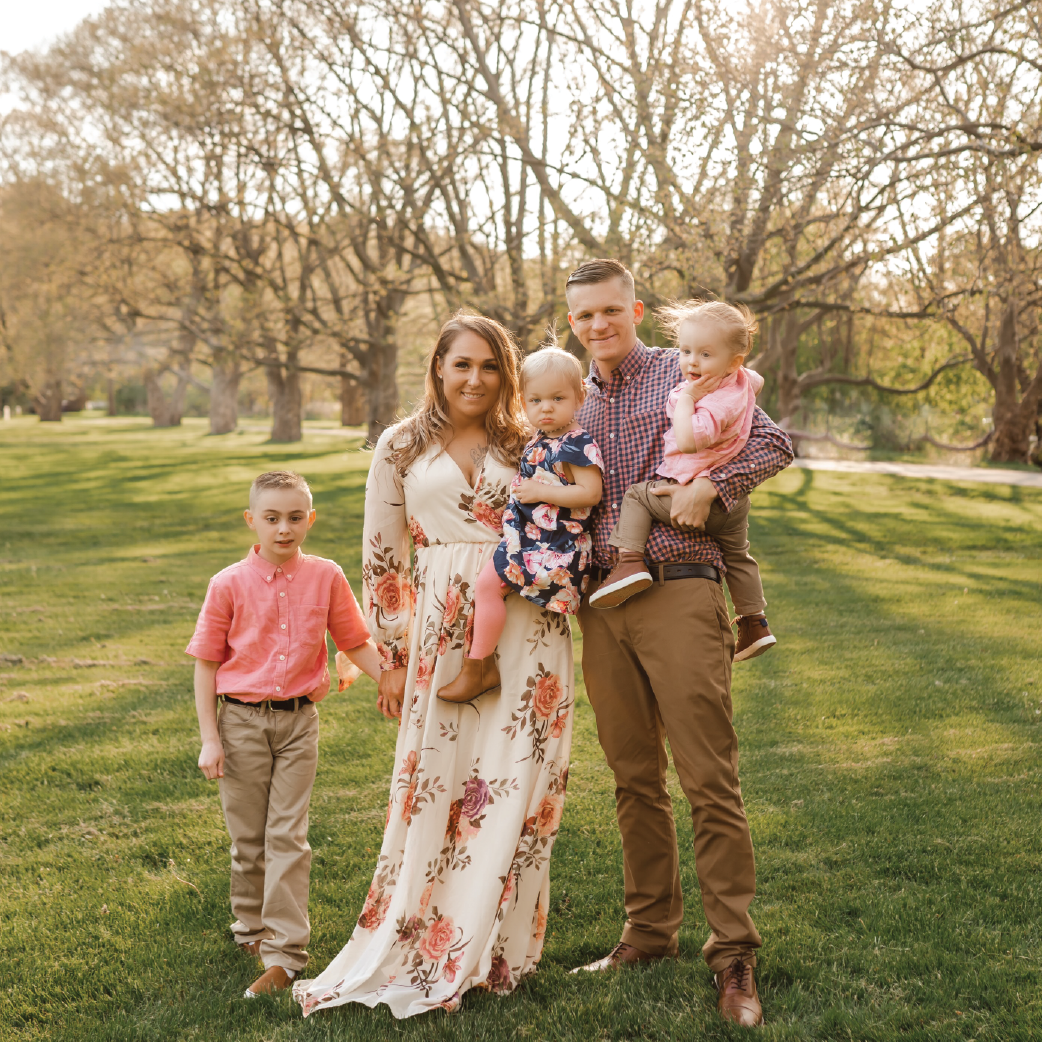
(546, 550)
(460, 893)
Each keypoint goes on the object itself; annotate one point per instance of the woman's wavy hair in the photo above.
(505, 422)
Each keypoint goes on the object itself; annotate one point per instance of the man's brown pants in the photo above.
(656, 667)
(269, 772)
(730, 528)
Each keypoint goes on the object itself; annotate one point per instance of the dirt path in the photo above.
(986, 475)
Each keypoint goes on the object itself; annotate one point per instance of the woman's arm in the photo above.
(586, 492)
(387, 590)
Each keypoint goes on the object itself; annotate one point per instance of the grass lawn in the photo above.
(891, 747)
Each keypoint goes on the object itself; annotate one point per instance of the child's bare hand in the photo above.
(698, 389)
(530, 491)
(211, 760)
(391, 693)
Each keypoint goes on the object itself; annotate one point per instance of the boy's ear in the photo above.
(248, 515)
(312, 516)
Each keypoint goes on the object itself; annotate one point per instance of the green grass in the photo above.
(890, 763)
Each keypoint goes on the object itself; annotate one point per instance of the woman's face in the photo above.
(470, 378)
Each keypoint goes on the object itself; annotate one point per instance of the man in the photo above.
(659, 665)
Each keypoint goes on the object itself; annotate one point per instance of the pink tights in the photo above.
(490, 613)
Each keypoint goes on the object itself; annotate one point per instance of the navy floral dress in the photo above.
(546, 550)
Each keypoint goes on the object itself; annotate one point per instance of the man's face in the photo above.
(604, 316)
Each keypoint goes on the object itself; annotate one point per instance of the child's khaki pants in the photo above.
(269, 770)
(729, 528)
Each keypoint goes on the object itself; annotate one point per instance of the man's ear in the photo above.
(571, 321)
(638, 312)
(248, 515)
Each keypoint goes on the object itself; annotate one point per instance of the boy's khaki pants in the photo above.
(270, 760)
(730, 528)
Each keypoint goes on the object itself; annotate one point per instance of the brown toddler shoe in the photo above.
(251, 948)
(629, 576)
(754, 637)
(274, 979)
(477, 676)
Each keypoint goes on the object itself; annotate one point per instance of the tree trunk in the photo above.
(224, 395)
(165, 412)
(112, 396)
(284, 392)
(353, 411)
(1014, 420)
(383, 387)
(789, 397)
(48, 402)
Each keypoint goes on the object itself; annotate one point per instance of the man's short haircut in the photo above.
(278, 479)
(600, 270)
(557, 361)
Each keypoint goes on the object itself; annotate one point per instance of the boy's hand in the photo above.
(211, 760)
(391, 692)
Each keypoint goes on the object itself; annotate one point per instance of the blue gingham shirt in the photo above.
(626, 415)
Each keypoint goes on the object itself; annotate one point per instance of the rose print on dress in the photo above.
(485, 506)
(543, 703)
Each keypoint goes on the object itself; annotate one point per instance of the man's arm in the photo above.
(767, 452)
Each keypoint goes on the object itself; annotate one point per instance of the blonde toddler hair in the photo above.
(556, 360)
(735, 320)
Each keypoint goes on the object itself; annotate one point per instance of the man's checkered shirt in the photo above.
(626, 415)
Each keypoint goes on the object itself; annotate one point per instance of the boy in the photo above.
(260, 647)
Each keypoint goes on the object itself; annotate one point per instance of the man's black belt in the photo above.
(282, 705)
(665, 572)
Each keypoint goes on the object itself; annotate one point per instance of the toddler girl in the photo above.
(708, 427)
(546, 547)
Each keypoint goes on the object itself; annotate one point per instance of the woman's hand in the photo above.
(391, 694)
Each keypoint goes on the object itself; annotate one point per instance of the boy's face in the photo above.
(281, 518)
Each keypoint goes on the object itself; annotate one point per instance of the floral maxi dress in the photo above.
(460, 893)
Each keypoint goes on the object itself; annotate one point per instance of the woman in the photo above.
(460, 894)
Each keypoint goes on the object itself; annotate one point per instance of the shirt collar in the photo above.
(626, 370)
(266, 570)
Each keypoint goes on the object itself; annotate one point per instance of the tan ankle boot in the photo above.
(629, 576)
(477, 676)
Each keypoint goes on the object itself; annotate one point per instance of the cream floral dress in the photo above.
(460, 894)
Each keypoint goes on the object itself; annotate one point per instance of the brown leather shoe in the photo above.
(477, 676)
(629, 576)
(275, 979)
(622, 955)
(739, 1001)
(251, 948)
(754, 637)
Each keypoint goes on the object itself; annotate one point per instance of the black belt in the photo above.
(282, 705)
(665, 572)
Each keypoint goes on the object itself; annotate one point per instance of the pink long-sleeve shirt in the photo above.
(720, 424)
(266, 624)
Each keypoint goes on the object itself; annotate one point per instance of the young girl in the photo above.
(709, 427)
(546, 547)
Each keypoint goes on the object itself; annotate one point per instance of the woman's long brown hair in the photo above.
(429, 423)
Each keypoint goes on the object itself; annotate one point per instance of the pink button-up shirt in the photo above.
(720, 424)
(266, 624)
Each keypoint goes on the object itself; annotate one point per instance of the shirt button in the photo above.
(612, 435)
(283, 626)
(267, 578)
(278, 689)
(282, 594)
(615, 506)
(612, 400)
(278, 570)
(282, 658)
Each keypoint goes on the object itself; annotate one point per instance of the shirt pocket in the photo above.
(309, 622)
